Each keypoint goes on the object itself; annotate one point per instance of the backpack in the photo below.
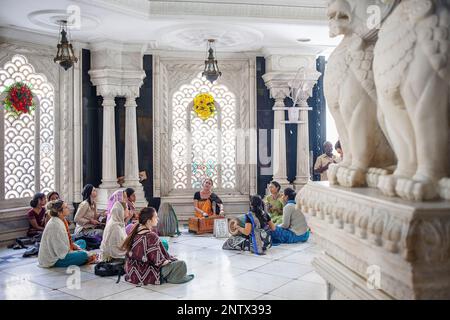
(168, 222)
(109, 269)
(260, 238)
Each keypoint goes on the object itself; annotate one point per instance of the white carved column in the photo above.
(282, 68)
(277, 83)
(109, 168)
(279, 150)
(77, 129)
(303, 169)
(305, 81)
(117, 72)
(131, 153)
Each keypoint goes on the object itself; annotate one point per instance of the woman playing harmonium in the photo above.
(206, 202)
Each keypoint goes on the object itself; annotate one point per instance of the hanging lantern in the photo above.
(211, 72)
(65, 55)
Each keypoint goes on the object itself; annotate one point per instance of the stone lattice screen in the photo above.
(203, 148)
(28, 141)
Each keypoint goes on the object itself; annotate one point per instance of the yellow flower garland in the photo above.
(204, 106)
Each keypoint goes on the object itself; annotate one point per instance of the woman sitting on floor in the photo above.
(274, 203)
(51, 196)
(255, 236)
(36, 215)
(114, 234)
(133, 213)
(294, 228)
(57, 248)
(87, 217)
(119, 196)
(146, 259)
(207, 203)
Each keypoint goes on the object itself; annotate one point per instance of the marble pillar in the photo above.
(109, 163)
(303, 85)
(282, 69)
(109, 168)
(279, 150)
(116, 71)
(303, 167)
(131, 153)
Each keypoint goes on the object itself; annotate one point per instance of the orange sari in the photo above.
(204, 205)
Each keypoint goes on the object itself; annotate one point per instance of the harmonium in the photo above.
(203, 225)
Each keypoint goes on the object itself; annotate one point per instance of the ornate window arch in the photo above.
(203, 148)
(27, 152)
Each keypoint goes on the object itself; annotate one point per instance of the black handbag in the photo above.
(110, 269)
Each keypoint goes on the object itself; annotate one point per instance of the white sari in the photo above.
(114, 234)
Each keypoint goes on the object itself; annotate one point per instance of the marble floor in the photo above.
(285, 273)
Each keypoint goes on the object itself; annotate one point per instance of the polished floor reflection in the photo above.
(284, 273)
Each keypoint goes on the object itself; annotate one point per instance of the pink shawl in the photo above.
(117, 196)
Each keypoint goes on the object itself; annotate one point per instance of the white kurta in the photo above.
(55, 243)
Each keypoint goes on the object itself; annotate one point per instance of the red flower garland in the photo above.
(19, 99)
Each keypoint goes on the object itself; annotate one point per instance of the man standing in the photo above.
(324, 161)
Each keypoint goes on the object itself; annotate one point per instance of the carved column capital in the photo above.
(278, 84)
(130, 102)
(279, 93)
(108, 101)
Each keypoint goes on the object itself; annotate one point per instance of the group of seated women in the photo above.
(89, 222)
(127, 236)
(258, 231)
(131, 237)
(271, 221)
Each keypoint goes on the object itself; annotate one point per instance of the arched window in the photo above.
(28, 141)
(203, 148)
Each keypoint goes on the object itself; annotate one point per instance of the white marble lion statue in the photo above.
(351, 95)
(412, 77)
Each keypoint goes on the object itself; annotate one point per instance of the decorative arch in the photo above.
(29, 141)
(203, 148)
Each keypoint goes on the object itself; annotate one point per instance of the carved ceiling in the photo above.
(238, 26)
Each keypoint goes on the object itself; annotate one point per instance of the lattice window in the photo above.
(203, 148)
(28, 141)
